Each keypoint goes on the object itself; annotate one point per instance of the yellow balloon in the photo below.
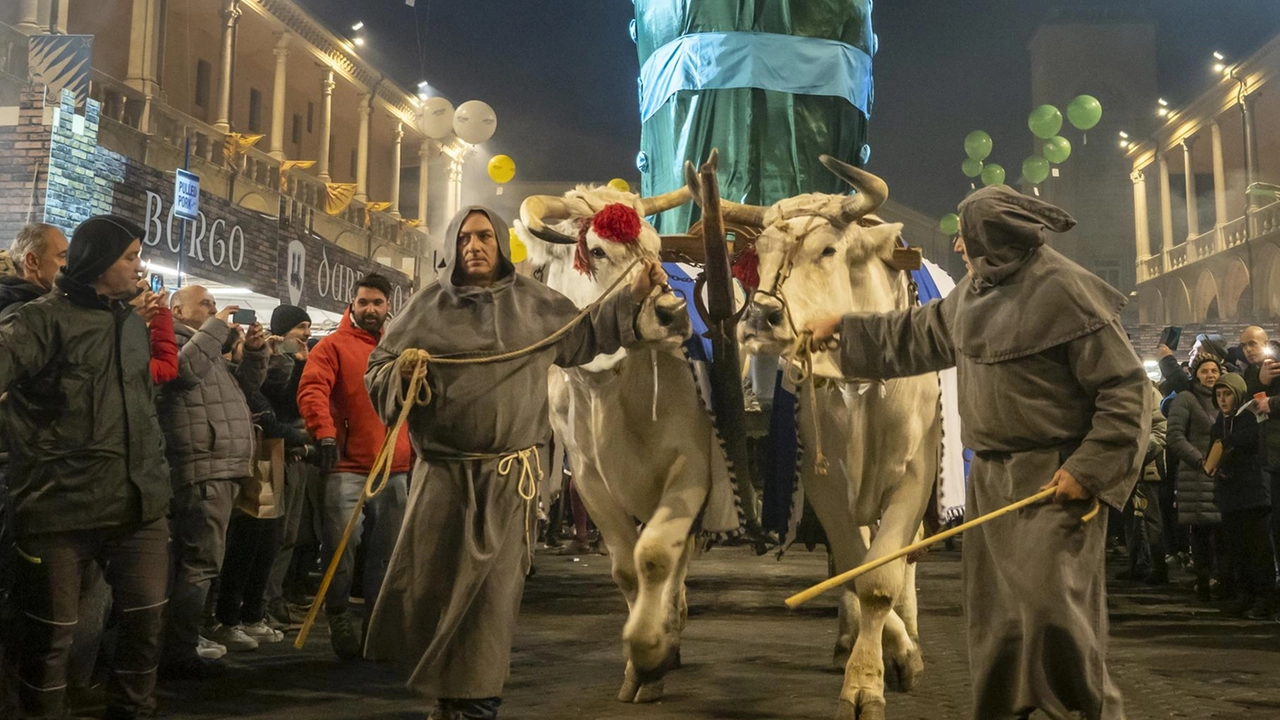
(518, 251)
(620, 185)
(501, 169)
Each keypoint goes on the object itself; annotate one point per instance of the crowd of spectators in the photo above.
(1206, 501)
(134, 420)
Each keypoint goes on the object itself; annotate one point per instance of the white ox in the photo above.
(820, 256)
(626, 466)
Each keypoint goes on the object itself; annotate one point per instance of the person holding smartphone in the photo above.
(304, 485)
(208, 431)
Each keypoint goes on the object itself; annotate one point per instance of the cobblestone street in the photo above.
(745, 656)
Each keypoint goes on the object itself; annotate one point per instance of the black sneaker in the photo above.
(343, 636)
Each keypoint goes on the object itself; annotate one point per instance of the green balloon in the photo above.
(1084, 112)
(1035, 169)
(977, 145)
(972, 168)
(992, 174)
(1045, 121)
(950, 224)
(1057, 149)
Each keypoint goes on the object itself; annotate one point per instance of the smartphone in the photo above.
(245, 317)
(157, 283)
(1171, 336)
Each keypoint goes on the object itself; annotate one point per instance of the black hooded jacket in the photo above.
(15, 292)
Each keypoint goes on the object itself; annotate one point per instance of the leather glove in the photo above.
(327, 454)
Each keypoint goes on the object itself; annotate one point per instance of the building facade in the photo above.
(1208, 249)
(189, 84)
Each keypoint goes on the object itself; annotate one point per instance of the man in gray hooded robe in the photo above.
(1050, 392)
(452, 592)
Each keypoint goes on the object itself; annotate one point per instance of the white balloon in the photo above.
(475, 122)
(437, 118)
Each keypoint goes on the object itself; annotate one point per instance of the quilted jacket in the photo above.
(208, 428)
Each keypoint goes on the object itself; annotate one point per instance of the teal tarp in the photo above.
(769, 139)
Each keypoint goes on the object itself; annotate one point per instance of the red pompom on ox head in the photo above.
(617, 223)
(747, 269)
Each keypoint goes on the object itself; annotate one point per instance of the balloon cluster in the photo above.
(1045, 122)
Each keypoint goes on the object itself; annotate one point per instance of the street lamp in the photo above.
(1124, 140)
(1163, 109)
(1220, 64)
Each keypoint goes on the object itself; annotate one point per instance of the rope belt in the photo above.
(530, 461)
(413, 365)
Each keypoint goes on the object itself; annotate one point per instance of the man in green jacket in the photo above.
(88, 476)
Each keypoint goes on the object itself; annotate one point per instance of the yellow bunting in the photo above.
(620, 185)
(288, 165)
(237, 144)
(337, 196)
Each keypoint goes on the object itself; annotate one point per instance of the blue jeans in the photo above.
(383, 515)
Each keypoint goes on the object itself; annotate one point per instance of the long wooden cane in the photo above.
(801, 598)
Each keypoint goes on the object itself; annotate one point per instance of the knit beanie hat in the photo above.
(287, 317)
(1236, 384)
(97, 244)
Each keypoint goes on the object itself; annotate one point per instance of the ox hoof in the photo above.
(870, 708)
(640, 687)
(902, 672)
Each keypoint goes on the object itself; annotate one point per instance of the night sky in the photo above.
(561, 74)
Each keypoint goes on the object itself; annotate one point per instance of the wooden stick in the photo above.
(801, 598)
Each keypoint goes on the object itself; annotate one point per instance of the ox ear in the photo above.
(882, 239)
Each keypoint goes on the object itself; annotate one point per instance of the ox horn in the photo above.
(665, 201)
(872, 191)
(536, 210)
(749, 215)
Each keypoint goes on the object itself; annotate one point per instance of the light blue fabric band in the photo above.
(768, 61)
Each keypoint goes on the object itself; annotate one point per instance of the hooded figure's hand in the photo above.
(649, 276)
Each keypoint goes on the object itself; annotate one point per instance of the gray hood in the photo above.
(506, 269)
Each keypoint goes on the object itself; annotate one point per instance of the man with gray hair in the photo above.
(37, 253)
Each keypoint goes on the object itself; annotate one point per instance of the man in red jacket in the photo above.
(349, 434)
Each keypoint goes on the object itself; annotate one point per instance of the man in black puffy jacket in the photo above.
(89, 481)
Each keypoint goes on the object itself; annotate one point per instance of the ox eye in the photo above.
(598, 253)
(829, 251)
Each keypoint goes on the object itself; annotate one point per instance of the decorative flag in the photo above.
(237, 144)
(337, 196)
(372, 207)
(288, 165)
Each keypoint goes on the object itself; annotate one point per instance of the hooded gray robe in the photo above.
(1047, 380)
(452, 592)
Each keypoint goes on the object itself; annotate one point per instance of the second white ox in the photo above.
(631, 463)
(820, 255)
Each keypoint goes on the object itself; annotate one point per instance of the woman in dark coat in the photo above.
(1190, 420)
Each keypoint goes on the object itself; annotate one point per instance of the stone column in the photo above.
(455, 187)
(1141, 222)
(1166, 205)
(29, 17)
(1193, 213)
(326, 120)
(424, 157)
(365, 109)
(397, 138)
(1250, 146)
(277, 96)
(1219, 176)
(145, 44)
(227, 65)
